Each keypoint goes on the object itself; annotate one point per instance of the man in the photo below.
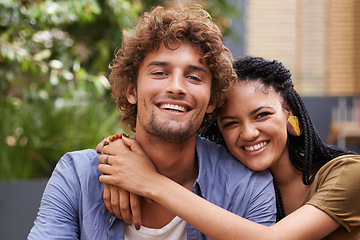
(170, 73)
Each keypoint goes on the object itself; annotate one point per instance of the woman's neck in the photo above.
(289, 180)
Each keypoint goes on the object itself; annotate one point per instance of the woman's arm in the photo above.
(119, 202)
(139, 176)
(307, 222)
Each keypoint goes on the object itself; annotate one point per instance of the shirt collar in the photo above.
(202, 159)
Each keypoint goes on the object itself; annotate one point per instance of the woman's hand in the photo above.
(123, 205)
(100, 146)
(124, 154)
(127, 167)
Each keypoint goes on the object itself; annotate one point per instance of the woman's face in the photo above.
(253, 124)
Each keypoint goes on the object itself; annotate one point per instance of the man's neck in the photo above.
(175, 161)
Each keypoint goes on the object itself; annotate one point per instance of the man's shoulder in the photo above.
(228, 183)
(215, 152)
(203, 143)
(85, 153)
(81, 160)
(217, 157)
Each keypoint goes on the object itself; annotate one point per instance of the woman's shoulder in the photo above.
(349, 161)
(347, 158)
(336, 190)
(341, 172)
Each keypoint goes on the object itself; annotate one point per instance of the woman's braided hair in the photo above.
(308, 152)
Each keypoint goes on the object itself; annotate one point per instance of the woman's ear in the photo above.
(131, 94)
(288, 109)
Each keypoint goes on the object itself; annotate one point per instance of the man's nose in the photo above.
(177, 84)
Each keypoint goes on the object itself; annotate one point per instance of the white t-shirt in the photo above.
(176, 229)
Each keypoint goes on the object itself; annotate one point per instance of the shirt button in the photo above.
(110, 220)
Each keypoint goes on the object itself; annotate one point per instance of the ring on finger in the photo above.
(106, 159)
(106, 142)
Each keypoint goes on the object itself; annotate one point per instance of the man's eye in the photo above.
(195, 78)
(158, 73)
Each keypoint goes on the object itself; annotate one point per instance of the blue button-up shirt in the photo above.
(72, 206)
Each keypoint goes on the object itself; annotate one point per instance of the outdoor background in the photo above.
(55, 96)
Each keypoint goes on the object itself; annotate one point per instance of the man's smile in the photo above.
(173, 107)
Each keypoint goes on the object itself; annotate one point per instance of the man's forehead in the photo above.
(199, 67)
(162, 55)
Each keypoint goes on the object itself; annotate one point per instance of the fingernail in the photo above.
(137, 226)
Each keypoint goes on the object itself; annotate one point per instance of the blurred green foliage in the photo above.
(54, 94)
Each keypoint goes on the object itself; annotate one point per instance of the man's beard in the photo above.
(163, 133)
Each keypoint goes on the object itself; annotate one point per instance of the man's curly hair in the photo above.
(175, 22)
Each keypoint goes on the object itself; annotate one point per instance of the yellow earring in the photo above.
(294, 127)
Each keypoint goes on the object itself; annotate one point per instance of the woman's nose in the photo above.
(249, 132)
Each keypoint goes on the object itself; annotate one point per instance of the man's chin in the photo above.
(172, 135)
(171, 131)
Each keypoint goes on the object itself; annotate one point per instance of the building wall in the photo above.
(317, 40)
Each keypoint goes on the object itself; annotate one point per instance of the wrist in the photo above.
(158, 187)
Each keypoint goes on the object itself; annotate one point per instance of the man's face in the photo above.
(173, 93)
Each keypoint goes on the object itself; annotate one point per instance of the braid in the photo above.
(280, 211)
(308, 152)
(214, 134)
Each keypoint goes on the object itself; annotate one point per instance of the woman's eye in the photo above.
(262, 115)
(229, 124)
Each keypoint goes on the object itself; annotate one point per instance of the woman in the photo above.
(317, 185)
